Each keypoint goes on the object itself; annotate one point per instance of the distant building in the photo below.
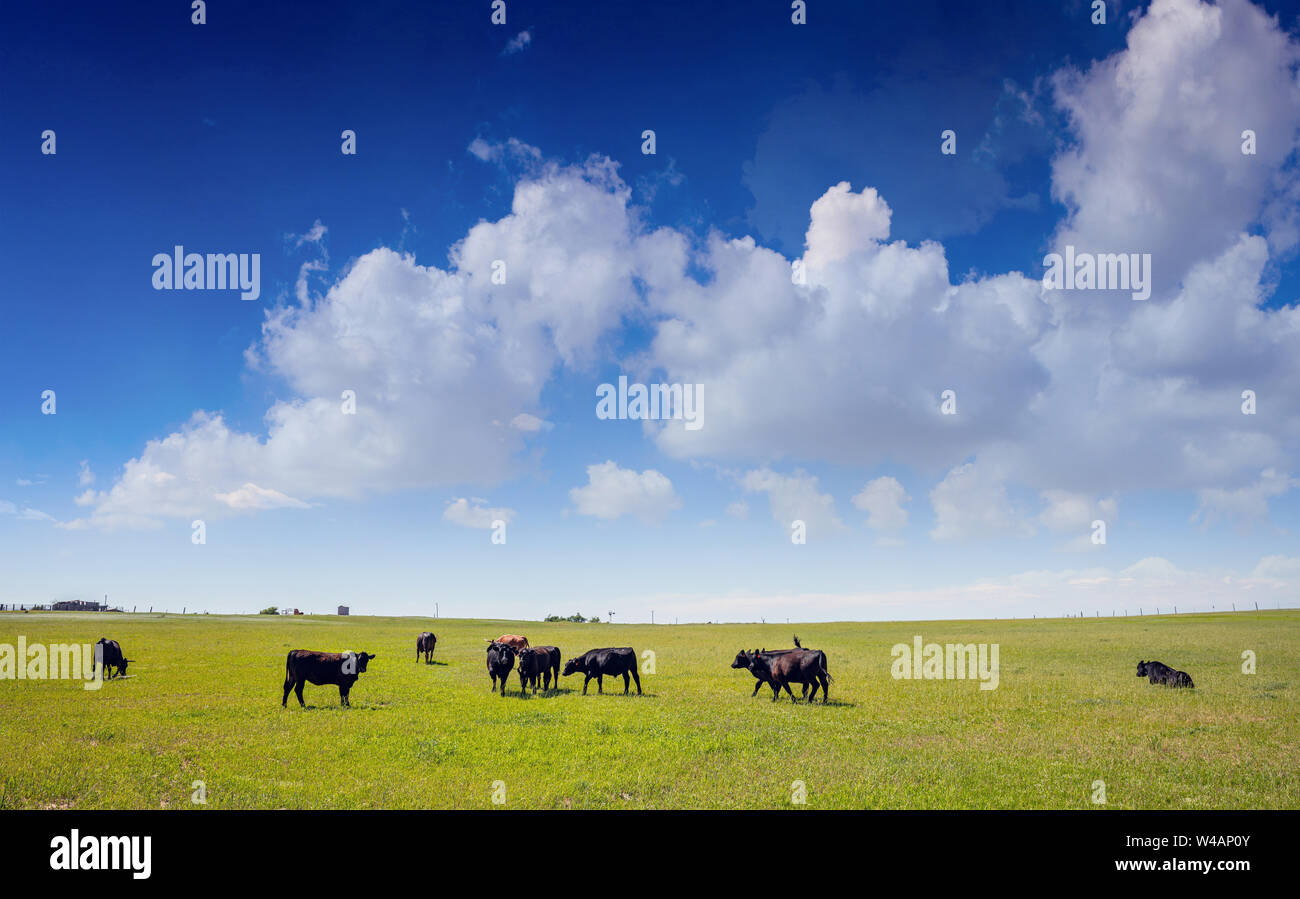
(343, 610)
(79, 605)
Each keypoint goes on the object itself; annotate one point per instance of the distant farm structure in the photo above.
(343, 610)
(79, 605)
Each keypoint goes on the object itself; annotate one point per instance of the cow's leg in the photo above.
(776, 691)
(786, 684)
(297, 689)
(584, 685)
(803, 694)
(826, 688)
(343, 697)
(627, 684)
(636, 677)
(600, 682)
(288, 685)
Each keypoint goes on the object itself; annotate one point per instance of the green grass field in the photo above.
(204, 704)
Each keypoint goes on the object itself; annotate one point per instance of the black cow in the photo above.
(534, 665)
(801, 666)
(425, 644)
(599, 662)
(109, 656)
(539, 662)
(304, 666)
(1160, 673)
(760, 676)
(500, 659)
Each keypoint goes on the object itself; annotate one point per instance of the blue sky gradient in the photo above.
(225, 137)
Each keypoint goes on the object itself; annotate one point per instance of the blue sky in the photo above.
(774, 142)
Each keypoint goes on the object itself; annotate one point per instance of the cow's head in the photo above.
(758, 662)
(1142, 669)
(742, 660)
(121, 669)
(572, 666)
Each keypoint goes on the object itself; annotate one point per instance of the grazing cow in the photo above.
(303, 666)
(1160, 673)
(801, 666)
(425, 644)
(500, 659)
(599, 662)
(742, 660)
(514, 641)
(109, 655)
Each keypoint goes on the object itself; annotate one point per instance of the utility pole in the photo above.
(611, 616)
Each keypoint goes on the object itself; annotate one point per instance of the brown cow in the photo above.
(514, 641)
(303, 666)
(425, 643)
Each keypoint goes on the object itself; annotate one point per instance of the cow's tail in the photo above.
(287, 657)
(825, 671)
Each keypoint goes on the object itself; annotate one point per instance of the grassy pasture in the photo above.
(204, 704)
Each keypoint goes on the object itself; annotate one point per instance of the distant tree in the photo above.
(270, 610)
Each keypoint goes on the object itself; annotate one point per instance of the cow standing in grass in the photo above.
(425, 644)
(1160, 673)
(800, 666)
(533, 664)
(539, 662)
(599, 662)
(500, 659)
(304, 666)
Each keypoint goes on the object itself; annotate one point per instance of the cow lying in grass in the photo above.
(303, 666)
(1160, 673)
(800, 666)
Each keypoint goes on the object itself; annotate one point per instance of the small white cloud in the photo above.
(518, 43)
(882, 500)
(1245, 505)
(738, 509)
(85, 477)
(252, 497)
(795, 497)
(1278, 568)
(1153, 568)
(971, 502)
(26, 513)
(531, 423)
(612, 492)
(472, 513)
